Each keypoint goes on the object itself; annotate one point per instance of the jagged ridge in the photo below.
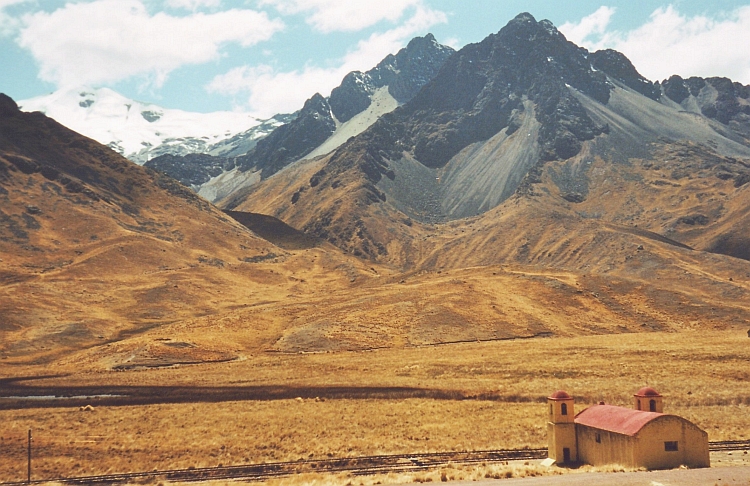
(403, 74)
(525, 92)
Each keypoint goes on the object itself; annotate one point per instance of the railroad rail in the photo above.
(729, 445)
(358, 466)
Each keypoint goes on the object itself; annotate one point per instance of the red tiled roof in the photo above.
(620, 420)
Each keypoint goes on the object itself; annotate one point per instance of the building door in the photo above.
(566, 454)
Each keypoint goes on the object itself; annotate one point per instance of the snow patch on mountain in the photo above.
(139, 131)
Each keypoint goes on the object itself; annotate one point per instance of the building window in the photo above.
(639, 404)
(564, 409)
(652, 405)
(670, 446)
(598, 438)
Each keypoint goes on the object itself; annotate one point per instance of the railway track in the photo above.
(729, 445)
(358, 466)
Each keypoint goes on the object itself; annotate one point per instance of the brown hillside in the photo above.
(625, 254)
(537, 265)
(326, 199)
(94, 248)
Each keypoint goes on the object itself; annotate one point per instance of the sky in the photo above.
(268, 56)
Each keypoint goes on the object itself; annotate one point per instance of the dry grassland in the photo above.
(516, 469)
(470, 396)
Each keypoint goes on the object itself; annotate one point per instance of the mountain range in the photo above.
(142, 131)
(522, 116)
(519, 187)
(320, 126)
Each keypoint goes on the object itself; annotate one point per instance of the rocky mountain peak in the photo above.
(292, 141)
(8, 107)
(619, 67)
(521, 19)
(483, 85)
(414, 66)
(525, 26)
(539, 49)
(404, 73)
(316, 104)
(427, 39)
(352, 96)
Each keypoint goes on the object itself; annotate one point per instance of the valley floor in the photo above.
(269, 407)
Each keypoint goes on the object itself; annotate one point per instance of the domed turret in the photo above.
(649, 400)
(560, 407)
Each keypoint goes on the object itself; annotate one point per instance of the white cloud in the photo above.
(270, 91)
(453, 42)
(193, 4)
(672, 43)
(344, 15)
(110, 40)
(596, 23)
(373, 49)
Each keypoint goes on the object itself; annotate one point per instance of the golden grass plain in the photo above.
(494, 399)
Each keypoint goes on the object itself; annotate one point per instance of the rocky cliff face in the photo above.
(717, 98)
(619, 68)
(292, 141)
(193, 170)
(480, 90)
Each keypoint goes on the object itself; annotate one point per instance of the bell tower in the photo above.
(561, 428)
(649, 400)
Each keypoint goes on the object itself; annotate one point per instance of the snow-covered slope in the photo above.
(140, 131)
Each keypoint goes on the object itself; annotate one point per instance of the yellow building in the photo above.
(643, 436)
